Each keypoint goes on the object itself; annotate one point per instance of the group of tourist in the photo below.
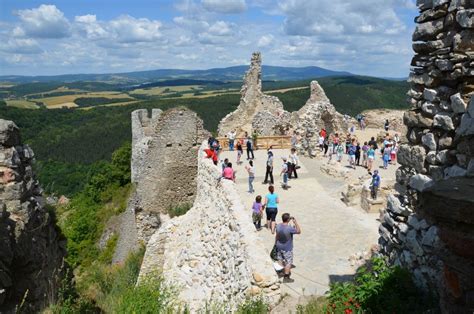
(284, 231)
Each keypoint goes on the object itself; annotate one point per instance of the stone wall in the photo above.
(425, 226)
(252, 102)
(31, 247)
(212, 252)
(318, 113)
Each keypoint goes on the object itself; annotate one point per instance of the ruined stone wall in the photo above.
(252, 102)
(164, 156)
(427, 226)
(212, 253)
(318, 113)
(31, 247)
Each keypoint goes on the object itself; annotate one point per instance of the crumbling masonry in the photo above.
(429, 226)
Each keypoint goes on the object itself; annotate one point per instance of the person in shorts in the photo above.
(284, 243)
(257, 211)
(271, 208)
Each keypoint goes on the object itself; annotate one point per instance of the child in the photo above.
(374, 186)
(240, 151)
(393, 154)
(257, 211)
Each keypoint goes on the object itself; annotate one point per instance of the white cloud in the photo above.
(21, 46)
(225, 6)
(129, 29)
(265, 41)
(91, 27)
(46, 21)
(221, 28)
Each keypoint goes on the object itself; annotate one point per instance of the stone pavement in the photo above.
(331, 232)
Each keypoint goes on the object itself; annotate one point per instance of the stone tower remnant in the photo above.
(428, 227)
(32, 249)
(318, 113)
(253, 102)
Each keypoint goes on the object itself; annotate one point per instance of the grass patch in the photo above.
(179, 210)
(23, 104)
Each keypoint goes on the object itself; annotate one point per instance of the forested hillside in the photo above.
(72, 144)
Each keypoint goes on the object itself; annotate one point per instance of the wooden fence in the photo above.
(262, 142)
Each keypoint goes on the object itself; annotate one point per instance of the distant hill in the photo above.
(218, 74)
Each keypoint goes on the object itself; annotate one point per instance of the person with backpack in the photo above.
(284, 173)
(257, 211)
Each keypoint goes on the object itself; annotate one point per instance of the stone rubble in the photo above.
(32, 249)
(417, 232)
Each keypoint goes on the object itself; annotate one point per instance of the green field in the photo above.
(23, 104)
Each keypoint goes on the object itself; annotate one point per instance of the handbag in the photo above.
(273, 253)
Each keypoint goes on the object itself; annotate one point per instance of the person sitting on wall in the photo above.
(210, 153)
(284, 243)
(228, 172)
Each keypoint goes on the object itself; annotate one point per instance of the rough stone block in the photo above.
(9, 133)
(444, 121)
(458, 104)
(420, 182)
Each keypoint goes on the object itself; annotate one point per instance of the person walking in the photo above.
(370, 159)
(257, 212)
(386, 156)
(294, 140)
(326, 146)
(339, 152)
(284, 243)
(365, 149)
(231, 136)
(240, 152)
(251, 171)
(271, 208)
(293, 158)
(284, 173)
(249, 148)
(351, 151)
(375, 184)
(269, 171)
(357, 154)
(386, 125)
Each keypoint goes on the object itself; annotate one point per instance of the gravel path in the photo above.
(331, 232)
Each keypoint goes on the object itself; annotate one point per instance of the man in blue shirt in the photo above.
(284, 243)
(374, 186)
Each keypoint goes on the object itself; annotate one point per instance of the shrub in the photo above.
(253, 306)
(179, 210)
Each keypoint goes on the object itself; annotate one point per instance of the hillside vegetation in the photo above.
(70, 144)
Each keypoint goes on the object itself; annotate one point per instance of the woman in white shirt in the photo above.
(293, 159)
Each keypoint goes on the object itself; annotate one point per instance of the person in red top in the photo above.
(210, 153)
(323, 132)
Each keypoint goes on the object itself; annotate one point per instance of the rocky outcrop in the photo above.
(252, 103)
(212, 253)
(32, 248)
(426, 228)
(318, 113)
(375, 118)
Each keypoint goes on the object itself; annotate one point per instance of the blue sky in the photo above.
(370, 37)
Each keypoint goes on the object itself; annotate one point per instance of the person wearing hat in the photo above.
(284, 173)
(374, 186)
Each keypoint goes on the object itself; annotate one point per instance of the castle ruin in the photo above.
(428, 227)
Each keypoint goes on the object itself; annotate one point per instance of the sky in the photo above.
(367, 37)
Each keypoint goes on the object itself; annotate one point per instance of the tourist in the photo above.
(352, 130)
(217, 147)
(348, 143)
(251, 171)
(370, 159)
(339, 152)
(357, 154)
(240, 151)
(211, 154)
(321, 143)
(393, 153)
(224, 164)
(249, 148)
(269, 171)
(284, 173)
(362, 124)
(326, 146)
(228, 172)
(284, 243)
(257, 211)
(386, 156)
(231, 136)
(365, 149)
(293, 158)
(396, 138)
(336, 141)
(323, 133)
(375, 184)
(373, 143)
(271, 208)
(351, 151)
(386, 125)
